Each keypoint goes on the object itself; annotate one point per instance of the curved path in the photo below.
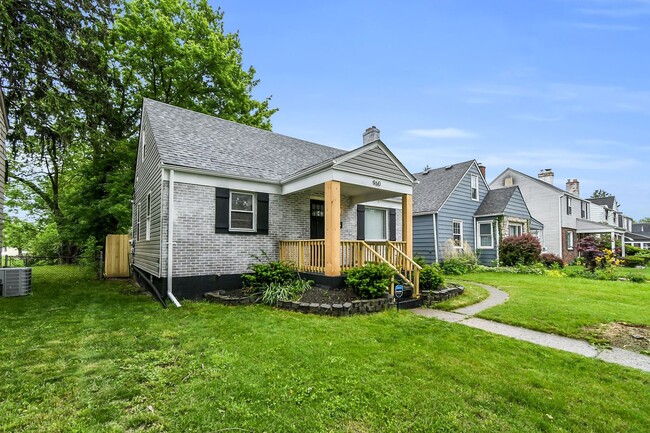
(580, 347)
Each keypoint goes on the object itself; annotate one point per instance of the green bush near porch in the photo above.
(371, 280)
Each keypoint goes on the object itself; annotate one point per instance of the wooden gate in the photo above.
(116, 261)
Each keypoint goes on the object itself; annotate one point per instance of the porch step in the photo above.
(410, 303)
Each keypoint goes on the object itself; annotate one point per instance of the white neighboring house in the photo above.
(639, 236)
(563, 213)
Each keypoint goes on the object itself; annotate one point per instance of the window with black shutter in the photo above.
(241, 212)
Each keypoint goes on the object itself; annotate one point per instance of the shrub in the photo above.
(551, 260)
(371, 280)
(635, 278)
(289, 291)
(634, 261)
(537, 269)
(591, 252)
(519, 250)
(431, 277)
(264, 274)
(631, 250)
(420, 261)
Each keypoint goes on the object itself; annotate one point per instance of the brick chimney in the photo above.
(573, 186)
(371, 135)
(481, 168)
(546, 175)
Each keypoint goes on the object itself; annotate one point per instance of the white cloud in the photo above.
(441, 133)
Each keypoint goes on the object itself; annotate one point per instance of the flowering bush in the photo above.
(590, 250)
(551, 260)
(519, 250)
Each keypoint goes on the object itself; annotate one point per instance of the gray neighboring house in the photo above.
(639, 236)
(209, 194)
(444, 203)
(503, 212)
(4, 128)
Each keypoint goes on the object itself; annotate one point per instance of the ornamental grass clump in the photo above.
(458, 260)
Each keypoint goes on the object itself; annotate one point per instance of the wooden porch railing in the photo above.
(309, 256)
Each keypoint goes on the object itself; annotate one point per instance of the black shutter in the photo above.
(392, 225)
(263, 213)
(361, 222)
(222, 210)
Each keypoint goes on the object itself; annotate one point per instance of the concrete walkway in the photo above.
(579, 347)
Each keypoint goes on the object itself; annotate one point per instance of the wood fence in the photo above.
(116, 261)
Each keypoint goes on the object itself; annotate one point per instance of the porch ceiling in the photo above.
(585, 226)
(358, 193)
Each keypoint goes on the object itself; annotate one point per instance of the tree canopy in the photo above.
(600, 193)
(74, 73)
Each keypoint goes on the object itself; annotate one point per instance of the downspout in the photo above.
(498, 241)
(435, 236)
(559, 214)
(170, 239)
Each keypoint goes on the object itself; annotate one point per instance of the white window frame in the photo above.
(386, 228)
(137, 222)
(570, 240)
(453, 233)
(520, 226)
(569, 205)
(474, 187)
(480, 236)
(231, 210)
(584, 207)
(147, 233)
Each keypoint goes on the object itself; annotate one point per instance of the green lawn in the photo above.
(472, 295)
(90, 356)
(566, 305)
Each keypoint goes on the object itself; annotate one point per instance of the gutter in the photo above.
(170, 240)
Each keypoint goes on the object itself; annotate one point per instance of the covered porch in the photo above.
(367, 181)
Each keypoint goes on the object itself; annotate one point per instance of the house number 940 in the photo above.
(376, 183)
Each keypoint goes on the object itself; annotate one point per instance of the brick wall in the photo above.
(569, 255)
(198, 250)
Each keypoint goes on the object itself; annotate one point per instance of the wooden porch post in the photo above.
(332, 228)
(407, 224)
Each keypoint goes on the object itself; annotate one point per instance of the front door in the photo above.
(317, 219)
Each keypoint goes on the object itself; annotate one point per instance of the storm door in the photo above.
(317, 219)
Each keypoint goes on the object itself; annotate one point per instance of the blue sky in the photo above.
(560, 84)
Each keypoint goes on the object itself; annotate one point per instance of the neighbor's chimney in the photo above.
(546, 175)
(573, 186)
(371, 135)
(481, 168)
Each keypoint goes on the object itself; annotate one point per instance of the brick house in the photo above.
(211, 194)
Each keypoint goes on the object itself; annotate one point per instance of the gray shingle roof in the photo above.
(190, 139)
(495, 201)
(435, 186)
(610, 201)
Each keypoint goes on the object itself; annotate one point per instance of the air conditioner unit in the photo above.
(16, 281)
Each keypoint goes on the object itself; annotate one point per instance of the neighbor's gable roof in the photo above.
(496, 201)
(437, 185)
(610, 201)
(539, 182)
(189, 139)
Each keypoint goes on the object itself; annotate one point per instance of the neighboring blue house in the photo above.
(444, 203)
(503, 212)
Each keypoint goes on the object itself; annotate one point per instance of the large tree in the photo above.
(75, 73)
(600, 193)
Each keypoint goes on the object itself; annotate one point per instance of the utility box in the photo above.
(16, 281)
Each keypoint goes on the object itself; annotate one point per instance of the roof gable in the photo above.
(496, 201)
(374, 159)
(435, 186)
(537, 181)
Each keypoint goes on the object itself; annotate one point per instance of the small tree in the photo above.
(591, 251)
(519, 250)
(600, 193)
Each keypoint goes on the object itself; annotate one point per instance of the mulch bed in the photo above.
(320, 295)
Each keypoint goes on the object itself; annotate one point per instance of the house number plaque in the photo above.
(376, 183)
